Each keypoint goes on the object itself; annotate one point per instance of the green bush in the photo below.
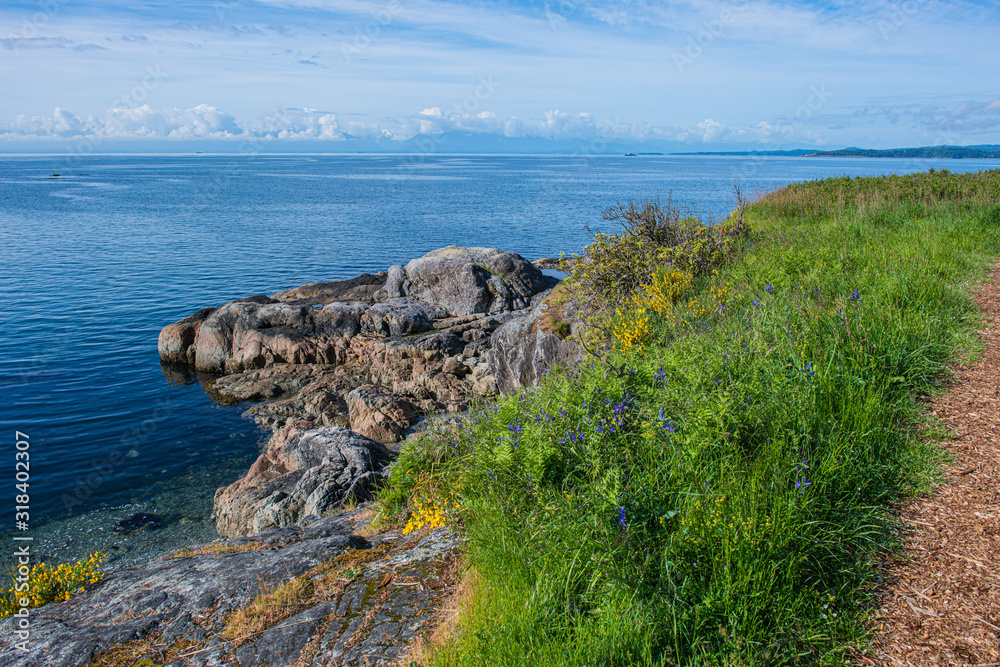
(653, 236)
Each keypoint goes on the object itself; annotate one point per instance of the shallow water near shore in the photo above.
(99, 258)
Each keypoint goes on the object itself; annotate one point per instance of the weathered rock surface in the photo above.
(362, 602)
(305, 470)
(379, 415)
(361, 288)
(523, 349)
(400, 317)
(315, 322)
(468, 280)
(176, 341)
(371, 354)
(247, 334)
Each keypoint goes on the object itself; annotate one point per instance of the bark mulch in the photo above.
(941, 603)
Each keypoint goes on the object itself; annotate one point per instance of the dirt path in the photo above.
(942, 604)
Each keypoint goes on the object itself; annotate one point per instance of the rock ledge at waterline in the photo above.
(372, 355)
(339, 371)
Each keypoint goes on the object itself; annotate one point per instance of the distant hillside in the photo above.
(954, 152)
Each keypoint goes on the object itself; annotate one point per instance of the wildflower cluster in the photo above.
(634, 323)
(54, 584)
(428, 512)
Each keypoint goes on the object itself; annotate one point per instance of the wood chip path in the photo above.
(942, 603)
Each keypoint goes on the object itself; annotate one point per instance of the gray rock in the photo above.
(400, 317)
(455, 367)
(249, 334)
(431, 346)
(379, 415)
(309, 391)
(395, 282)
(473, 280)
(367, 616)
(521, 350)
(304, 471)
(281, 645)
(340, 318)
(362, 287)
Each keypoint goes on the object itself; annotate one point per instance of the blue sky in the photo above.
(748, 74)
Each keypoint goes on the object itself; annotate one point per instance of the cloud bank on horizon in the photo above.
(750, 74)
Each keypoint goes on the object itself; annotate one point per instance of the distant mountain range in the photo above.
(954, 152)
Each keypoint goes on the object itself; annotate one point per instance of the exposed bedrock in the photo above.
(524, 349)
(304, 471)
(468, 280)
(358, 601)
(372, 355)
(312, 323)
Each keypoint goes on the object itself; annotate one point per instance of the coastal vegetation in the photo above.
(46, 583)
(714, 485)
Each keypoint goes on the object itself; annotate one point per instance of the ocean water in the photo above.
(99, 258)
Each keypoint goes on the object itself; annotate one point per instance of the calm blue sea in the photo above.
(99, 258)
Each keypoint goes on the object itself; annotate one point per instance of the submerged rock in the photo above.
(138, 521)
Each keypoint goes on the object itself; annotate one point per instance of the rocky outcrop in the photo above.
(379, 415)
(400, 317)
(254, 334)
(304, 471)
(361, 288)
(317, 323)
(468, 280)
(371, 354)
(176, 341)
(525, 348)
(351, 601)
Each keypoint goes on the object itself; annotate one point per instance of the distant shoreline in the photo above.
(989, 152)
(455, 145)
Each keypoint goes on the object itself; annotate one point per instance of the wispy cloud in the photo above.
(28, 43)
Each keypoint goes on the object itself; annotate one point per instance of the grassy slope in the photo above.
(723, 501)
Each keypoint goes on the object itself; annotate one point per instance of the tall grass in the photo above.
(720, 495)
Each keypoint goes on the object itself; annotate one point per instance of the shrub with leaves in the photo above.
(616, 271)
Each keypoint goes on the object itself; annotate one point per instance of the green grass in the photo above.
(724, 500)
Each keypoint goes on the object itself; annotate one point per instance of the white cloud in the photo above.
(711, 130)
(205, 121)
(298, 124)
(139, 122)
